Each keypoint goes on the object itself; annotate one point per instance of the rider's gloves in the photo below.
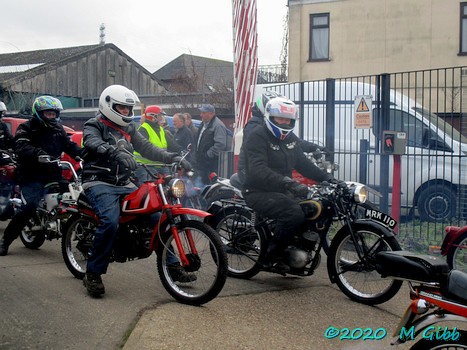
(168, 157)
(295, 188)
(44, 158)
(337, 182)
(183, 163)
(126, 160)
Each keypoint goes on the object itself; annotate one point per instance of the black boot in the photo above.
(178, 274)
(274, 260)
(4, 245)
(93, 283)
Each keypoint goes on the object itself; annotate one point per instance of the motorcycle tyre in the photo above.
(440, 344)
(454, 250)
(338, 240)
(220, 261)
(69, 241)
(216, 222)
(34, 241)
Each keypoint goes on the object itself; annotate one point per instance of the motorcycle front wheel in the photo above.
(32, 239)
(242, 242)
(76, 244)
(355, 275)
(457, 254)
(204, 277)
(440, 344)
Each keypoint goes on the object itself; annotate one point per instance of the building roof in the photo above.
(211, 72)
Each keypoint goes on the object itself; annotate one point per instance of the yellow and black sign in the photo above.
(363, 112)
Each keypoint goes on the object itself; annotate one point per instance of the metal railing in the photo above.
(428, 106)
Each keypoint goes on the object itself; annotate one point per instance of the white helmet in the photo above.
(117, 95)
(283, 108)
(2, 108)
(259, 105)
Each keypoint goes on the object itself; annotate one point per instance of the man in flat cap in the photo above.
(210, 140)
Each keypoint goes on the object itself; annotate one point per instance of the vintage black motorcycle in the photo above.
(362, 232)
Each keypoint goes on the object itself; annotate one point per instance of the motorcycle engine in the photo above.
(132, 242)
(313, 209)
(296, 258)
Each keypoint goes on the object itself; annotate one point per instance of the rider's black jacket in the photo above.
(33, 139)
(269, 160)
(100, 138)
(6, 139)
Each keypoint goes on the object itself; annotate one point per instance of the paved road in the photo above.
(44, 307)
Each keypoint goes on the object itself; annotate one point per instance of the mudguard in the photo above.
(377, 225)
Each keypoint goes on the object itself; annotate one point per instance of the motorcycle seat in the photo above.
(412, 266)
(456, 286)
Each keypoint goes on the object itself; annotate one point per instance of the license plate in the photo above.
(381, 217)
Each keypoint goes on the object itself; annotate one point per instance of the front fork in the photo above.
(178, 242)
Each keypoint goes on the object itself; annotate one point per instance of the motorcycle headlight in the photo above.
(360, 194)
(177, 187)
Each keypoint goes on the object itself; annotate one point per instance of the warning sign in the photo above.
(363, 112)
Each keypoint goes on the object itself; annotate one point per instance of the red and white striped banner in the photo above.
(245, 59)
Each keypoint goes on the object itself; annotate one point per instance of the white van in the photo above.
(434, 167)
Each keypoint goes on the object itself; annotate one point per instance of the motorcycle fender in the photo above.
(161, 226)
(386, 231)
(452, 232)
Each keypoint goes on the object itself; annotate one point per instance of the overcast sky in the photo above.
(152, 32)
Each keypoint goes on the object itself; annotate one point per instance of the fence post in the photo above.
(330, 116)
(384, 175)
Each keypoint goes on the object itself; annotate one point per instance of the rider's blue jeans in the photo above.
(105, 200)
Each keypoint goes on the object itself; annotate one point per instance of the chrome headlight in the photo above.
(360, 194)
(177, 188)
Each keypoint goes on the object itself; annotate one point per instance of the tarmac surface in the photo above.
(290, 318)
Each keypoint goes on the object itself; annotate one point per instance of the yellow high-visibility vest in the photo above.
(157, 140)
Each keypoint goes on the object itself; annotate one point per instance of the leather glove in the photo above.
(295, 188)
(44, 158)
(126, 160)
(184, 163)
(168, 157)
(337, 182)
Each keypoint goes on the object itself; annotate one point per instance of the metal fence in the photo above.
(427, 107)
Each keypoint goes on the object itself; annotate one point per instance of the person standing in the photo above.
(190, 125)
(152, 130)
(183, 136)
(37, 141)
(210, 140)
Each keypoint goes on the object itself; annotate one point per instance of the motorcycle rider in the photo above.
(6, 138)
(110, 139)
(257, 119)
(271, 153)
(37, 141)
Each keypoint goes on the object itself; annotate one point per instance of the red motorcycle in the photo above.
(179, 232)
(437, 296)
(454, 247)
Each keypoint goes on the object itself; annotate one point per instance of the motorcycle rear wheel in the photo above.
(76, 243)
(242, 242)
(428, 344)
(32, 240)
(357, 278)
(207, 268)
(457, 254)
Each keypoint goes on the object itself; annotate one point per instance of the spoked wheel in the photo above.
(457, 254)
(204, 277)
(76, 244)
(441, 344)
(357, 277)
(242, 242)
(32, 239)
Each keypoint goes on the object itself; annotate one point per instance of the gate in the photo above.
(428, 107)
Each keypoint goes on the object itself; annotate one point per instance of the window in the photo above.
(319, 37)
(463, 29)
